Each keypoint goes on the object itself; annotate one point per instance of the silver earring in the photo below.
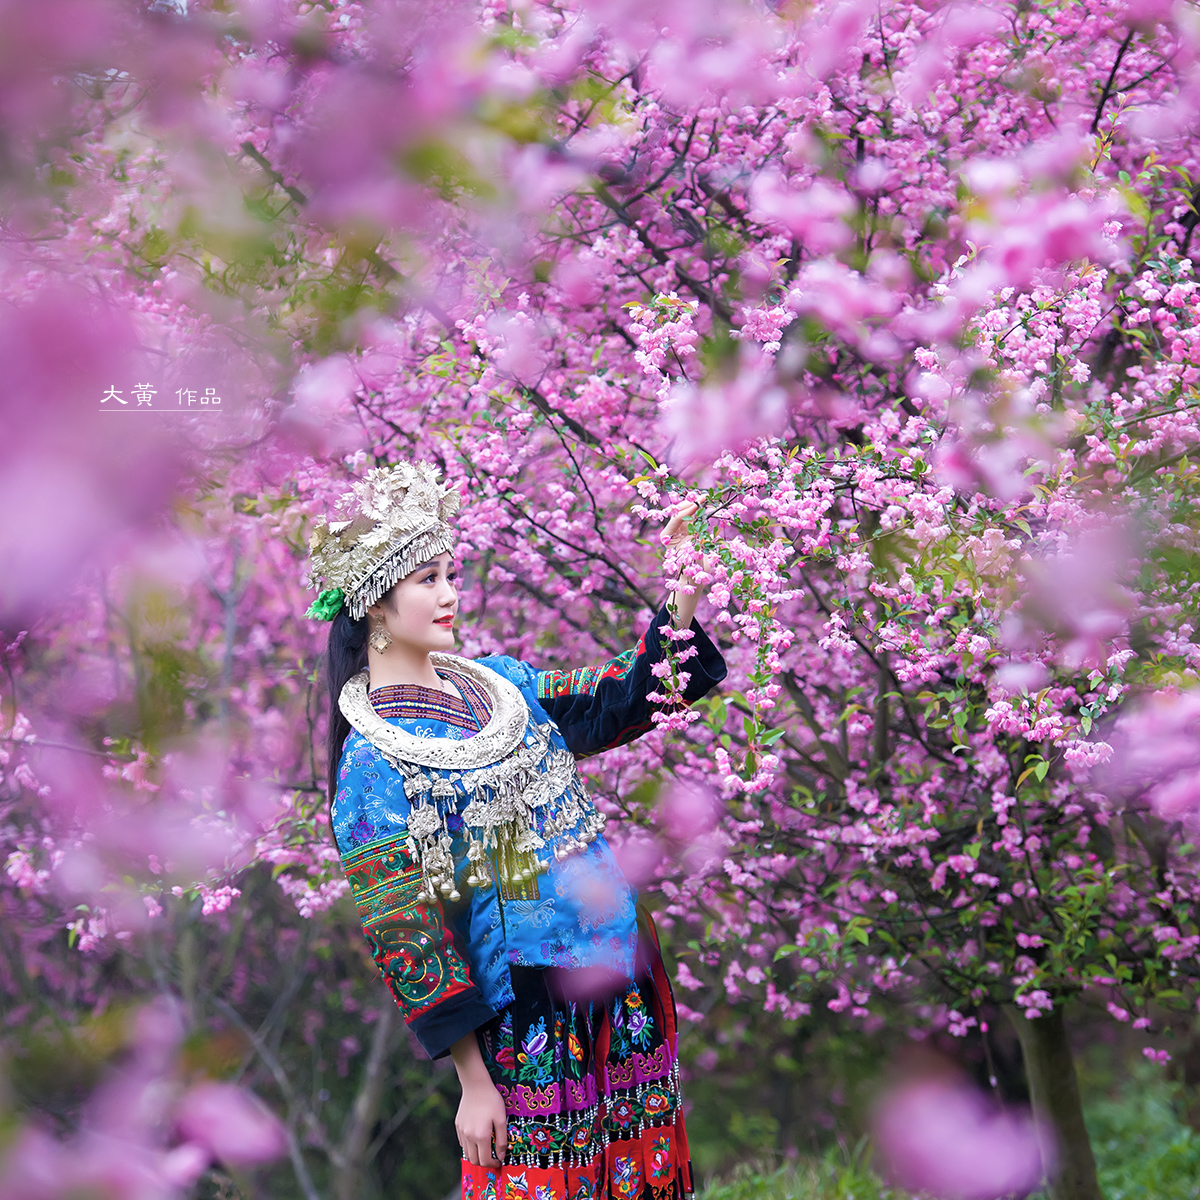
(380, 639)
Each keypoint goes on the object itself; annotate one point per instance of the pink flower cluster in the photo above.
(901, 295)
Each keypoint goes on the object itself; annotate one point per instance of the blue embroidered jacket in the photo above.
(447, 964)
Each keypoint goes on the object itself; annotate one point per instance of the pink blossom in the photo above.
(1156, 754)
(689, 810)
(947, 1138)
(231, 1124)
(318, 417)
(638, 857)
(957, 27)
(708, 418)
(814, 215)
(76, 474)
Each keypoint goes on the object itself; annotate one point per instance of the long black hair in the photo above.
(345, 656)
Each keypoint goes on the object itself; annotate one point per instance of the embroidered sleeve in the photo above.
(603, 706)
(415, 948)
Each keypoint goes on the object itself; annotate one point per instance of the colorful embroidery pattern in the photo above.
(411, 701)
(631, 1023)
(525, 889)
(407, 939)
(535, 1059)
(626, 1176)
(591, 1089)
(628, 1171)
(660, 1159)
(549, 919)
(583, 681)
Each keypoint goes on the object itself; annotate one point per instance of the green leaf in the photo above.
(645, 793)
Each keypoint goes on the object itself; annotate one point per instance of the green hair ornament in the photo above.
(327, 605)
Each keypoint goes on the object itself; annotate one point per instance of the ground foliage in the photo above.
(1143, 1148)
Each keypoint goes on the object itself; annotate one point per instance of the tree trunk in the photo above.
(1054, 1091)
(1187, 1071)
(365, 1112)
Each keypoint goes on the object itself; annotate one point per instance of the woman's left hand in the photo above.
(677, 530)
(675, 534)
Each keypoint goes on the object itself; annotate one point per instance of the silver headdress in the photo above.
(393, 519)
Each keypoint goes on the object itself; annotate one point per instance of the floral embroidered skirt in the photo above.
(591, 1087)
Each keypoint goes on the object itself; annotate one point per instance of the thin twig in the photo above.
(295, 1105)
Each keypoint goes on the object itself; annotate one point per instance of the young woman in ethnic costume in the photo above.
(489, 897)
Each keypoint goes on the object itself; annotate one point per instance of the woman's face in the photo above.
(420, 609)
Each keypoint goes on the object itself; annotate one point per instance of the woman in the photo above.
(489, 897)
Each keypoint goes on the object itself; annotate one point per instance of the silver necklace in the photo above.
(503, 733)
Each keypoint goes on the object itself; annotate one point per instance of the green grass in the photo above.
(837, 1176)
(1143, 1150)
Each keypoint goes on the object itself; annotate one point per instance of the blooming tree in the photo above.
(901, 294)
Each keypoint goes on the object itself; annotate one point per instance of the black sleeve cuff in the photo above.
(707, 667)
(460, 1014)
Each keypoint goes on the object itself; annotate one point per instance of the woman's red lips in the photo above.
(444, 621)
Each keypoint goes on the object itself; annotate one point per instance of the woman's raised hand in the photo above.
(675, 534)
(677, 529)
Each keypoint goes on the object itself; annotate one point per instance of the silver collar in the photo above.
(503, 733)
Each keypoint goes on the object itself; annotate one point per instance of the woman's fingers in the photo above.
(676, 528)
(500, 1137)
(480, 1153)
(479, 1150)
(676, 531)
